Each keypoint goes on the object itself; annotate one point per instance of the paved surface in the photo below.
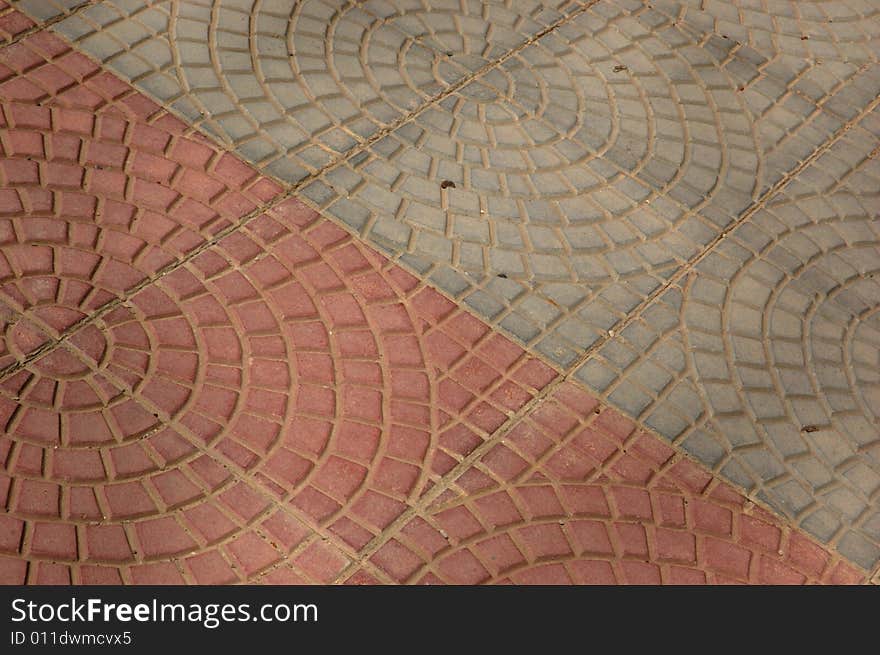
(440, 292)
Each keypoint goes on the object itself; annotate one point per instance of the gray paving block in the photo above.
(43, 10)
(828, 30)
(586, 181)
(309, 98)
(782, 334)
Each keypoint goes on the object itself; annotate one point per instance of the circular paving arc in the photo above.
(573, 155)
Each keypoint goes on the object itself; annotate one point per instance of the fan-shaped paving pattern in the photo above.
(801, 342)
(557, 190)
(550, 163)
(292, 85)
(355, 377)
(763, 362)
(100, 190)
(576, 494)
(819, 343)
(176, 416)
(276, 406)
(843, 30)
(279, 369)
(555, 154)
(100, 186)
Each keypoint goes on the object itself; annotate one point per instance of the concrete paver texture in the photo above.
(464, 292)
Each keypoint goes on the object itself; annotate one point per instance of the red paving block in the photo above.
(267, 408)
(54, 540)
(99, 575)
(107, 543)
(675, 546)
(321, 561)
(50, 573)
(210, 567)
(163, 537)
(108, 189)
(524, 520)
(12, 23)
(345, 381)
(160, 573)
(39, 498)
(11, 531)
(711, 518)
(13, 571)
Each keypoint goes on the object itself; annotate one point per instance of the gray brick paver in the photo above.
(783, 346)
(589, 168)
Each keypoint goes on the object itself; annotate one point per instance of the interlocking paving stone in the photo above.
(763, 361)
(559, 168)
(843, 30)
(177, 407)
(45, 10)
(100, 190)
(346, 387)
(575, 494)
(614, 149)
(551, 194)
(12, 23)
(273, 85)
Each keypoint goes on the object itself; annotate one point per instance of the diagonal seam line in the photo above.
(687, 213)
(199, 124)
(237, 473)
(291, 188)
(424, 502)
(49, 22)
(601, 470)
(295, 187)
(261, 209)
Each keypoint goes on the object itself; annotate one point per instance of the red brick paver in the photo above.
(576, 494)
(203, 381)
(12, 23)
(202, 412)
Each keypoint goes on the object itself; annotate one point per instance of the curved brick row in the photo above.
(200, 427)
(189, 396)
(331, 382)
(555, 190)
(100, 187)
(763, 361)
(575, 494)
(100, 190)
(843, 30)
(231, 535)
(12, 23)
(290, 84)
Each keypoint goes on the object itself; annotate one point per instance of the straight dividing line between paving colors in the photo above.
(361, 559)
(288, 193)
(289, 189)
(40, 25)
(426, 500)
